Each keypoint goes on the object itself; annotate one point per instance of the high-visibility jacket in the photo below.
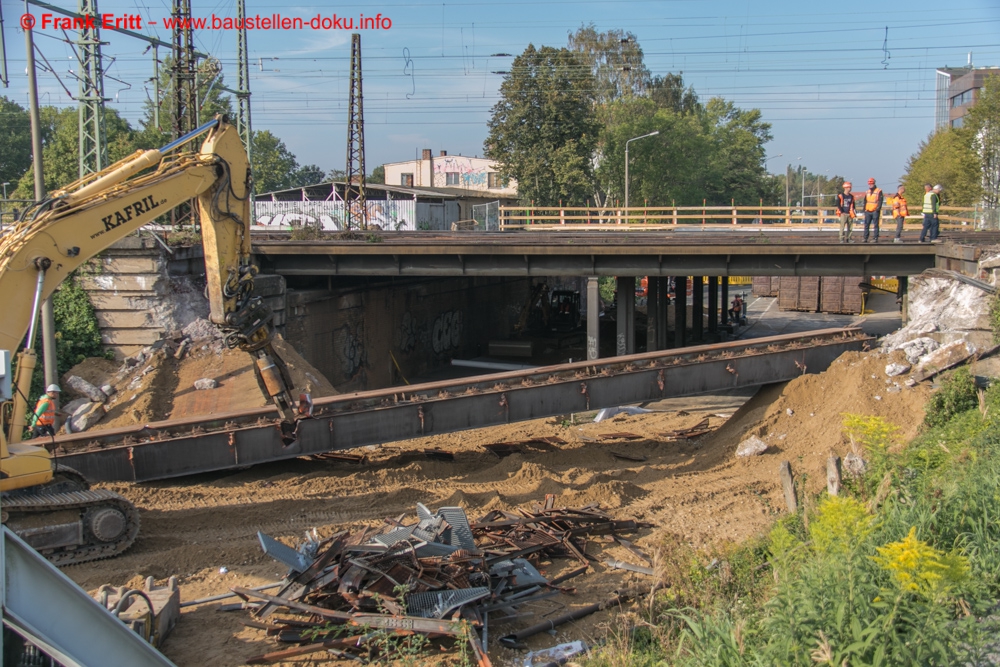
(873, 199)
(845, 203)
(899, 207)
(931, 202)
(45, 411)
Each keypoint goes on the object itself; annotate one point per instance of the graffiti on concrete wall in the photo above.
(409, 333)
(469, 175)
(446, 333)
(355, 355)
(332, 215)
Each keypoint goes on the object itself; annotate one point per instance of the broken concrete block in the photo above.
(854, 465)
(108, 390)
(752, 446)
(892, 370)
(74, 405)
(205, 383)
(84, 388)
(85, 417)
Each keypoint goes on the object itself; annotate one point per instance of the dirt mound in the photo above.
(155, 385)
(695, 489)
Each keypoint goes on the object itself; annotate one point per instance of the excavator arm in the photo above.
(88, 216)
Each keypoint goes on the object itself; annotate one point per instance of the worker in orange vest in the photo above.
(44, 418)
(873, 208)
(899, 212)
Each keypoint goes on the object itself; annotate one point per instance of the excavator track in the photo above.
(106, 523)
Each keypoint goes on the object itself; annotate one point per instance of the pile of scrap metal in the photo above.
(441, 577)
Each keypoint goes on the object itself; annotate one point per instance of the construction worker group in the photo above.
(870, 205)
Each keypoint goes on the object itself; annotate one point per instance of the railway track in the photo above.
(234, 440)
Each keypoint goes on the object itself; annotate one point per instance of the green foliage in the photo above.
(956, 395)
(15, 140)
(995, 317)
(983, 123)
(306, 233)
(945, 158)
(214, 100)
(273, 164)
(615, 60)
(606, 288)
(309, 174)
(543, 130)
(377, 175)
(913, 584)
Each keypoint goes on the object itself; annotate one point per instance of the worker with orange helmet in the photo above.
(899, 212)
(845, 209)
(873, 208)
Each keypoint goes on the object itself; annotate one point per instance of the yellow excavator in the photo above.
(51, 507)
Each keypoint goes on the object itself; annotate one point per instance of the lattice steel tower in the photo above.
(93, 144)
(243, 82)
(357, 214)
(183, 76)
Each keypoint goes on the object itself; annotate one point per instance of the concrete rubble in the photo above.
(752, 446)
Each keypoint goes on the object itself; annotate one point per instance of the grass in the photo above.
(903, 568)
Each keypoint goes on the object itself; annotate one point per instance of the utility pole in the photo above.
(356, 144)
(185, 94)
(243, 81)
(48, 317)
(93, 142)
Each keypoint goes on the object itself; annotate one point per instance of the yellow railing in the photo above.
(666, 217)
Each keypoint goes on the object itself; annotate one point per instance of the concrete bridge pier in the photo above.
(680, 311)
(662, 299)
(725, 300)
(713, 305)
(652, 311)
(625, 316)
(593, 319)
(697, 308)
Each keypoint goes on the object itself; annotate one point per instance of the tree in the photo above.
(61, 147)
(983, 123)
(309, 174)
(543, 130)
(735, 169)
(615, 60)
(668, 92)
(15, 141)
(213, 100)
(337, 175)
(274, 166)
(946, 158)
(377, 175)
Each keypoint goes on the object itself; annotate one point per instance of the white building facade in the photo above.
(450, 171)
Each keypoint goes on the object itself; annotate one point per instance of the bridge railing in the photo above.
(667, 217)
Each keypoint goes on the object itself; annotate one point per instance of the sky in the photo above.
(848, 87)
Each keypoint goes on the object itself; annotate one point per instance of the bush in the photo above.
(957, 394)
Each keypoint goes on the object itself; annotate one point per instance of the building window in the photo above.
(964, 98)
(495, 181)
(406, 180)
(451, 178)
(958, 122)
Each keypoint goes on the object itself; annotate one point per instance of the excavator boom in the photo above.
(75, 224)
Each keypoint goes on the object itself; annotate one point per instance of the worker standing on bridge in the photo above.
(873, 208)
(899, 213)
(845, 208)
(931, 207)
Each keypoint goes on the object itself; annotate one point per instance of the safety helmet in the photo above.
(53, 387)
(938, 188)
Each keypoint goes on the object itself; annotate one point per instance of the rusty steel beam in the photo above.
(184, 447)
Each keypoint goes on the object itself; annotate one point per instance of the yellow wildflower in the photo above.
(918, 567)
(840, 523)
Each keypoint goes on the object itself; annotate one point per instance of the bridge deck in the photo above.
(686, 250)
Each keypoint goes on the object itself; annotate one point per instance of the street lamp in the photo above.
(651, 134)
(774, 157)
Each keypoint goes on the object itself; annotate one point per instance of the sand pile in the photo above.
(694, 491)
(158, 382)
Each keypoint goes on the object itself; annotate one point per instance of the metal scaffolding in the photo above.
(357, 213)
(93, 143)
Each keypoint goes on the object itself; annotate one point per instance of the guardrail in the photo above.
(668, 217)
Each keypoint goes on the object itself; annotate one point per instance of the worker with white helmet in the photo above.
(44, 418)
